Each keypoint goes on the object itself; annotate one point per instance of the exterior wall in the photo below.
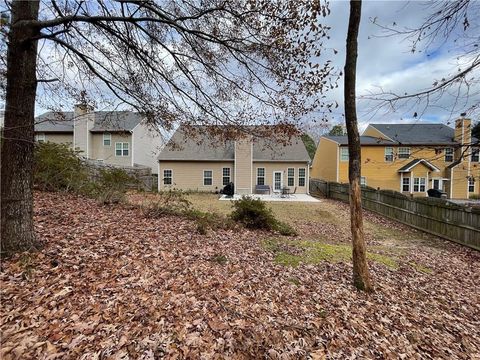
(107, 153)
(188, 175)
(243, 166)
(371, 131)
(270, 167)
(58, 138)
(419, 171)
(147, 143)
(325, 162)
(382, 174)
(84, 120)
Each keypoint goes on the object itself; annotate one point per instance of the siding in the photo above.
(270, 167)
(146, 145)
(243, 166)
(371, 131)
(107, 153)
(188, 175)
(59, 138)
(325, 162)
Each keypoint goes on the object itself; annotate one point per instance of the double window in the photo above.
(449, 154)
(475, 155)
(343, 154)
(107, 139)
(207, 177)
(301, 176)
(406, 184)
(260, 176)
(121, 149)
(225, 176)
(167, 177)
(388, 154)
(291, 177)
(471, 184)
(419, 184)
(403, 152)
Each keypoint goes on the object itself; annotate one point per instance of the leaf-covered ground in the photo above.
(112, 284)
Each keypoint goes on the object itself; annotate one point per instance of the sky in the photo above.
(388, 62)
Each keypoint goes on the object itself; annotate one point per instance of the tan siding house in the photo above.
(200, 162)
(116, 137)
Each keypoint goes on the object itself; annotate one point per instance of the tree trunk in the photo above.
(361, 276)
(17, 145)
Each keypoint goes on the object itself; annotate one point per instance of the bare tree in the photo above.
(178, 62)
(361, 275)
(460, 88)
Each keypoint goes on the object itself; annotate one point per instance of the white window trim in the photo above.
(404, 153)
(390, 154)
(264, 176)
(409, 184)
(420, 184)
(468, 185)
(342, 151)
(171, 176)
(40, 137)
(475, 150)
(452, 154)
(364, 181)
(223, 176)
(203, 173)
(291, 177)
(122, 149)
(107, 136)
(281, 180)
(302, 177)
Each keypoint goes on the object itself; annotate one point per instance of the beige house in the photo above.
(196, 160)
(115, 137)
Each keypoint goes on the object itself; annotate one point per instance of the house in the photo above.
(115, 137)
(409, 158)
(196, 159)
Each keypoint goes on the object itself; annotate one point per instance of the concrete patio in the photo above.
(275, 197)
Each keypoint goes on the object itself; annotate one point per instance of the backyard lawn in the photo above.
(112, 283)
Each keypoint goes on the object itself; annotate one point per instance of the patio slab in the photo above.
(291, 198)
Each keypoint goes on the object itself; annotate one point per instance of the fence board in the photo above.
(435, 216)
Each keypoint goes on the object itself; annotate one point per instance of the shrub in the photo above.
(254, 214)
(172, 202)
(111, 185)
(58, 168)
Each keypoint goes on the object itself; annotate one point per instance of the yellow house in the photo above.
(409, 158)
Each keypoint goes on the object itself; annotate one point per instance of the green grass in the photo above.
(293, 253)
(421, 268)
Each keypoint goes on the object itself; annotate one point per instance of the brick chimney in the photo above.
(83, 122)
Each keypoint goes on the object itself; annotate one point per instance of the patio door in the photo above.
(277, 180)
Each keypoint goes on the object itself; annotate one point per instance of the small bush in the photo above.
(254, 214)
(172, 202)
(58, 168)
(111, 185)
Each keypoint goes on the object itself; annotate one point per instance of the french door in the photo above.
(277, 180)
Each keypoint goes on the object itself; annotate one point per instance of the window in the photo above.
(403, 152)
(291, 177)
(471, 184)
(343, 154)
(226, 176)
(167, 177)
(121, 149)
(40, 137)
(207, 177)
(260, 176)
(449, 154)
(406, 184)
(388, 154)
(419, 184)
(363, 181)
(301, 176)
(475, 155)
(107, 139)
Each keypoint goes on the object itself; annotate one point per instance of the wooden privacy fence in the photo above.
(435, 216)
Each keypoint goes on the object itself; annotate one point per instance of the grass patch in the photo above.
(219, 259)
(421, 268)
(294, 253)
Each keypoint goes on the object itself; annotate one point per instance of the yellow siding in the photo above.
(371, 131)
(270, 167)
(59, 138)
(107, 153)
(243, 166)
(188, 175)
(325, 162)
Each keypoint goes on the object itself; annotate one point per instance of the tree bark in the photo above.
(17, 232)
(361, 276)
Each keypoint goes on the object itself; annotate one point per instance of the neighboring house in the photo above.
(115, 137)
(196, 160)
(410, 158)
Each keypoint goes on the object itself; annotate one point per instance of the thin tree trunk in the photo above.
(361, 276)
(17, 145)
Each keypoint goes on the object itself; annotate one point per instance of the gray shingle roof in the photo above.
(104, 121)
(54, 122)
(364, 140)
(418, 134)
(206, 147)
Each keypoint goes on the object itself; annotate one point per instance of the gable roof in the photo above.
(103, 121)
(408, 167)
(202, 146)
(418, 134)
(364, 140)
